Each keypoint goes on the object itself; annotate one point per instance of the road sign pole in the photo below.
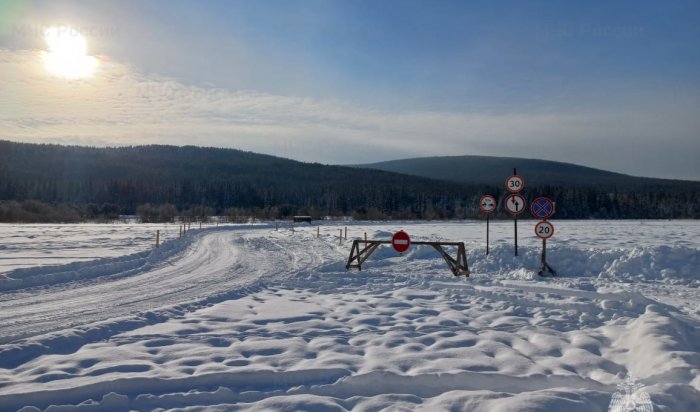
(514, 202)
(487, 204)
(543, 208)
(544, 266)
(515, 221)
(543, 259)
(487, 235)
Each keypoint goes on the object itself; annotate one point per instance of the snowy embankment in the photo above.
(258, 319)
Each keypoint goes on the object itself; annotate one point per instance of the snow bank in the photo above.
(675, 265)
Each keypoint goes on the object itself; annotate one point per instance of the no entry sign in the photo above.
(487, 203)
(515, 184)
(542, 208)
(400, 241)
(544, 229)
(515, 204)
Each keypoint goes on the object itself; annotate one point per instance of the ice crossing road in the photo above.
(213, 264)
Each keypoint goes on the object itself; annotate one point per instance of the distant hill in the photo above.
(40, 182)
(487, 170)
(125, 178)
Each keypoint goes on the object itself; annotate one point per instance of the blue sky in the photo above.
(609, 84)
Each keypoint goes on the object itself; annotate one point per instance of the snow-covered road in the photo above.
(250, 318)
(122, 287)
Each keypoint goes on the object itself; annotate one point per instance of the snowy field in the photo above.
(92, 318)
(51, 244)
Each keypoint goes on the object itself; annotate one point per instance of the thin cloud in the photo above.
(121, 106)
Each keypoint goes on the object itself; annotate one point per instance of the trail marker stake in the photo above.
(157, 238)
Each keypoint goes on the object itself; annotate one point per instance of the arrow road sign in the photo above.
(515, 204)
(515, 183)
(400, 241)
(542, 207)
(487, 203)
(544, 229)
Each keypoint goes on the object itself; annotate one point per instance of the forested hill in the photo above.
(53, 183)
(220, 179)
(488, 170)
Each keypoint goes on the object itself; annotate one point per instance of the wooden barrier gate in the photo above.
(457, 266)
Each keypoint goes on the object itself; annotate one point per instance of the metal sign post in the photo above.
(543, 208)
(487, 204)
(515, 204)
(544, 230)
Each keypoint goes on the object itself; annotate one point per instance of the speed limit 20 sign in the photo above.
(544, 229)
(515, 184)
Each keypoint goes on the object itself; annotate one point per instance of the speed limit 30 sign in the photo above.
(544, 229)
(515, 183)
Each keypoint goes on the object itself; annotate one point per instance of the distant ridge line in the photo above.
(472, 169)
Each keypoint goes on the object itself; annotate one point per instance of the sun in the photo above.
(67, 56)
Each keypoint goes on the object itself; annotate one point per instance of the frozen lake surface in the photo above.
(51, 244)
(92, 317)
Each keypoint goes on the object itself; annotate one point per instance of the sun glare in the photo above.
(67, 56)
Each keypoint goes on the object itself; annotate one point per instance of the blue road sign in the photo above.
(542, 207)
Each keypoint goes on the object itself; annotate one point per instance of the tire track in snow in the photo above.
(213, 264)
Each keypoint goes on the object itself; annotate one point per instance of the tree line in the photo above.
(49, 183)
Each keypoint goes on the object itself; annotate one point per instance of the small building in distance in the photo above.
(302, 219)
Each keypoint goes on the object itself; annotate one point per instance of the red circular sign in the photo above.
(515, 183)
(400, 241)
(542, 207)
(487, 203)
(515, 204)
(544, 229)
